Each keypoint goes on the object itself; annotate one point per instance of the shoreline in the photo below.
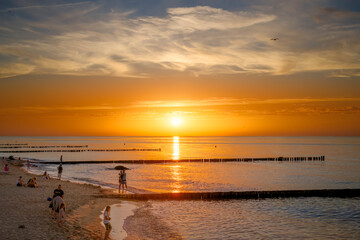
(24, 211)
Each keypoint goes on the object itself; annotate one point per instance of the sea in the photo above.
(290, 218)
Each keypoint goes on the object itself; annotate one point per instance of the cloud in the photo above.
(202, 108)
(43, 6)
(234, 102)
(199, 40)
(329, 14)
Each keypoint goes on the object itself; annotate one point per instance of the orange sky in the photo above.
(120, 69)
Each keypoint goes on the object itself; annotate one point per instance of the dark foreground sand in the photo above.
(29, 207)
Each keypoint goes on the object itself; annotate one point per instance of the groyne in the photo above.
(279, 159)
(43, 146)
(342, 193)
(81, 150)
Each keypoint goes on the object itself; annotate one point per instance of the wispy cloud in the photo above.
(43, 6)
(198, 40)
(214, 108)
(234, 102)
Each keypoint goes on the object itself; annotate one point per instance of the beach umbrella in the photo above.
(121, 168)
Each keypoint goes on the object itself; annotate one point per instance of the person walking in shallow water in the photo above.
(107, 224)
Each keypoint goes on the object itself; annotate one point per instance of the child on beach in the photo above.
(107, 224)
(6, 168)
(62, 215)
(20, 182)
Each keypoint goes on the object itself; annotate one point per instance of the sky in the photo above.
(180, 67)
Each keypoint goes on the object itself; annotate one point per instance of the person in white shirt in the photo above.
(107, 224)
(62, 215)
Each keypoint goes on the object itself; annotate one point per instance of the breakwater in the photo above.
(81, 150)
(43, 146)
(342, 193)
(279, 159)
(13, 144)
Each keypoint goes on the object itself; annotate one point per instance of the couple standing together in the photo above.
(122, 180)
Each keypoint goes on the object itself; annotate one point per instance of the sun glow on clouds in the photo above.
(199, 39)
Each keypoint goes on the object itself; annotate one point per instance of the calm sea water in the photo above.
(278, 218)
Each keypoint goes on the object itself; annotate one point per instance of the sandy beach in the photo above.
(24, 211)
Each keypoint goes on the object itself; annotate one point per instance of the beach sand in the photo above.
(29, 207)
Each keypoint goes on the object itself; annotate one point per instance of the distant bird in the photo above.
(274, 39)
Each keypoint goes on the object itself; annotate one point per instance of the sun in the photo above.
(176, 121)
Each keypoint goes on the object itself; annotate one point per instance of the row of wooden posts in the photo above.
(285, 159)
(43, 146)
(343, 193)
(82, 150)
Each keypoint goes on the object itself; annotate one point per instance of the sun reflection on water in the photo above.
(176, 186)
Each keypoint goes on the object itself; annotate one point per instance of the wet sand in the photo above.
(24, 211)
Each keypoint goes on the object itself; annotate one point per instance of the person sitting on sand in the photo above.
(32, 182)
(46, 176)
(20, 182)
(107, 224)
(62, 215)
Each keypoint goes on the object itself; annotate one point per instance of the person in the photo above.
(57, 201)
(32, 182)
(120, 180)
(60, 169)
(62, 214)
(107, 224)
(58, 191)
(124, 184)
(6, 168)
(46, 176)
(20, 182)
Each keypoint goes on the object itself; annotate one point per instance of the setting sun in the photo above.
(176, 121)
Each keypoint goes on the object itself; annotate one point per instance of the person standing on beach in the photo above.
(120, 180)
(58, 191)
(62, 214)
(124, 184)
(107, 224)
(57, 201)
(60, 169)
